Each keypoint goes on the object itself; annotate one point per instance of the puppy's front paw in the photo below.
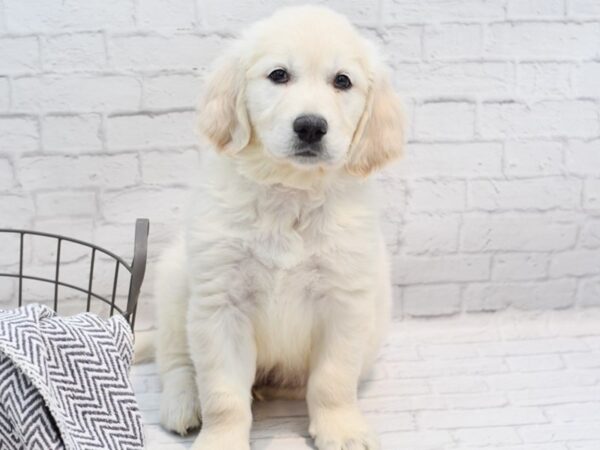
(342, 429)
(179, 402)
(221, 440)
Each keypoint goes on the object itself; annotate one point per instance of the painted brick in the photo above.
(521, 232)
(575, 263)
(220, 15)
(544, 80)
(453, 41)
(402, 43)
(444, 121)
(169, 167)
(72, 133)
(174, 129)
(583, 360)
(572, 413)
(10, 243)
(493, 436)
(4, 94)
(459, 384)
(450, 367)
(516, 382)
(452, 160)
(110, 111)
(590, 234)
(584, 445)
(172, 13)
(583, 157)
(19, 54)
(16, 210)
(562, 40)
(438, 78)
(389, 228)
(476, 419)
(547, 118)
(533, 158)
(18, 134)
(7, 180)
(7, 290)
(589, 292)
(535, 8)
(54, 172)
(520, 266)
(431, 300)
(534, 363)
(443, 10)
(584, 7)
(156, 51)
(586, 79)
(159, 205)
(496, 296)
(591, 195)
(427, 439)
(448, 351)
(430, 234)
(74, 51)
(76, 92)
(515, 345)
(393, 195)
(533, 194)
(38, 15)
(65, 203)
(437, 195)
(561, 432)
(171, 91)
(2, 21)
(475, 401)
(413, 269)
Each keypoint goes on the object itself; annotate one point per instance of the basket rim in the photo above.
(127, 265)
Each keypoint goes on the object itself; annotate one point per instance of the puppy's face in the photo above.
(308, 90)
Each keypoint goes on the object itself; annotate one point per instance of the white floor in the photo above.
(504, 381)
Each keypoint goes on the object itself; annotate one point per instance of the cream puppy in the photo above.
(280, 283)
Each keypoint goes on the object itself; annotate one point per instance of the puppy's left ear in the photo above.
(379, 137)
(223, 118)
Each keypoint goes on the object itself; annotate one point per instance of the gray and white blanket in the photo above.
(64, 382)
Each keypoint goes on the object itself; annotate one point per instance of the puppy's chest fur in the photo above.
(286, 247)
(296, 246)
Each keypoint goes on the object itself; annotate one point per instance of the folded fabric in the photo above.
(64, 382)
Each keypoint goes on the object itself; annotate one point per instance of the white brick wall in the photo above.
(496, 205)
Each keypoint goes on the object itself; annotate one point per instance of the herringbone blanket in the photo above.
(64, 382)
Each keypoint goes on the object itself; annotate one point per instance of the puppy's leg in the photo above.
(179, 403)
(335, 420)
(225, 362)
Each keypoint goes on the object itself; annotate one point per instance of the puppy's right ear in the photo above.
(223, 118)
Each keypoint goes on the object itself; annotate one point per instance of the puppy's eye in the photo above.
(342, 81)
(279, 76)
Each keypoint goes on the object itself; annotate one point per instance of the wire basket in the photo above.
(134, 270)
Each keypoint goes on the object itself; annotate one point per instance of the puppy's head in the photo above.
(305, 88)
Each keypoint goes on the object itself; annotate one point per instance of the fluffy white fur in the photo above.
(279, 284)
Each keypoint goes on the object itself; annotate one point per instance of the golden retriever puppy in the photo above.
(279, 285)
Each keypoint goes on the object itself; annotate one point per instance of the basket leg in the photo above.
(138, 267)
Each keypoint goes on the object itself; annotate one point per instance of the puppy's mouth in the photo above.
(309, 153)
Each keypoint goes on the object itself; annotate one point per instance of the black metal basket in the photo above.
(136, 270)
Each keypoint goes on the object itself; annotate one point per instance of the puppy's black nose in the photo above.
(310, 128)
